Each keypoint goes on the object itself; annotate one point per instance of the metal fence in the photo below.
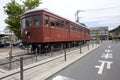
(35, 58)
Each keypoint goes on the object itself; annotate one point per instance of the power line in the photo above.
(98, 13)
(98, 9)
(101, 16)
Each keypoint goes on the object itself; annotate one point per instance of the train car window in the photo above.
(88, 32)
(23, 23)
(70, 27)
(78, 29)
(29, 21)
(58, 23)
(81, 29)
(37, 20)
(52, 22)
(67, 25)
(62, 24)
(84, 30)
(46, 20)
(73, 28)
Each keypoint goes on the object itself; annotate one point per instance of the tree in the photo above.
(14, 10)
(116, 29)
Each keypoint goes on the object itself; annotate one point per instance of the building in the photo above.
(7, 36)
(99, 33)
(2, 34)
(116, 35)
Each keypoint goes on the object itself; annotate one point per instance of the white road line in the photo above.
(109, 46)
(59, 77)
(101, 67)
(107, 55)
(108, 50)
(109, 65)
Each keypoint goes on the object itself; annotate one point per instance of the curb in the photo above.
(61, 67)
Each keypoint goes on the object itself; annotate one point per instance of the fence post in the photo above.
(80, 48)
(92, 45)
(21, 68)
(27, 49)
(51, 49)
(46, 48)
(88, 45)
(36, 55)
(65, 52)
(69, 46)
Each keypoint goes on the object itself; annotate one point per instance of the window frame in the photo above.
(46, 25)
(29, 24)
(52, 19)
(39, 20)
(23, 22)
(72, 27)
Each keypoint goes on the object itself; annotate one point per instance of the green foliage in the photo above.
(116, 29)
(97, 36)
(14, 10)
(31, 4)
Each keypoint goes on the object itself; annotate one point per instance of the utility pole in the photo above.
(77, 16)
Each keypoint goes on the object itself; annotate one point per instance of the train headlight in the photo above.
(27, 32)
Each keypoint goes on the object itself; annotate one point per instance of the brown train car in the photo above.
(45, 30)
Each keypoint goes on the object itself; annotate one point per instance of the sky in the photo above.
(93, 13)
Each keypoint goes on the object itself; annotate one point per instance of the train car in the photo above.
(45, 30)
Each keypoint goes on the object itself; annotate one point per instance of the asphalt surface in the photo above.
(101, 64)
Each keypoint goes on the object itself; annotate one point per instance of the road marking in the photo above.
(107, 55)
(101, 67)
(108, 50)
(59, 77)
(109, 46)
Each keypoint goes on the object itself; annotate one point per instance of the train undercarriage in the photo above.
(53, 46)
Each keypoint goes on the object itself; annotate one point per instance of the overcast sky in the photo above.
(94, 12)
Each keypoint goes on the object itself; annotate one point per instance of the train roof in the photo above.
(46, 10)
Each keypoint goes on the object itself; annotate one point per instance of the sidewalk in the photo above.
(50, 66)
(4, 52)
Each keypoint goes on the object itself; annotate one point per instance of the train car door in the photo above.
(46, 28)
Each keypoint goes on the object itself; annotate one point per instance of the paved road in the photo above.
(101, 64)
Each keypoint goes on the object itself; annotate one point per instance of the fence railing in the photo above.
(21, 60)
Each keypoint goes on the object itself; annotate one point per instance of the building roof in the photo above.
(99, 28)
(2, 34)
